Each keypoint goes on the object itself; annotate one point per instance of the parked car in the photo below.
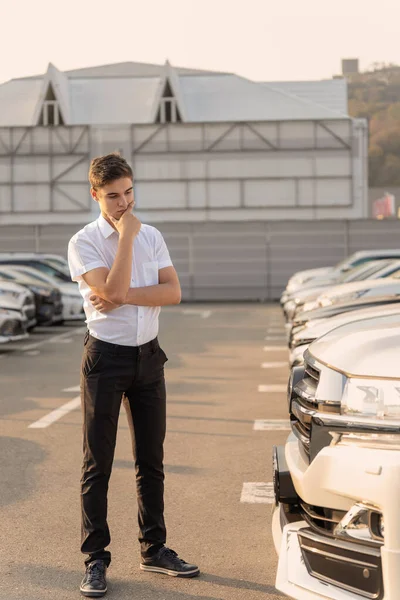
(72, 303)
(18, 299)
(47, 297)
(315, 329)
(57, 261)
(336, 480)
(310, 292)
(36, 262)
(301, 319)
(358, 258)
(13, 326)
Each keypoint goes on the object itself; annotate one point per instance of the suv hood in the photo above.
(367, 348)
(320, 327)
(375, 287)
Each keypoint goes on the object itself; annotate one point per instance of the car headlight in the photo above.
(379, 398)
(310, 305)
(38, 290)
(342, 298)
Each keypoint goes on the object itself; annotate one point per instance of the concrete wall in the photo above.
(235, 261)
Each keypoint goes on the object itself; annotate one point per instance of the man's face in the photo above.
(114, 197)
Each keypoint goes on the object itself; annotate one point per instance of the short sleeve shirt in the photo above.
(96, 246)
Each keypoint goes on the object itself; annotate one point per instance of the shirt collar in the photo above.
(105, 227)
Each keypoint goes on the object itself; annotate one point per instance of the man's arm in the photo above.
(168, 291)
(113, 284)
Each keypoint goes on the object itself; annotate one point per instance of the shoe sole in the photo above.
(170, 572)
(88, 594)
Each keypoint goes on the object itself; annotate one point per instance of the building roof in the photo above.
(131, 93)
(331, 93)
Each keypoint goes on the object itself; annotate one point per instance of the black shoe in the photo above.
(168, 562)
(94, 583)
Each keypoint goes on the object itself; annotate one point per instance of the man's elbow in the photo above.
(177, 295)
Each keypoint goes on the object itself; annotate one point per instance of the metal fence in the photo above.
(249, 261)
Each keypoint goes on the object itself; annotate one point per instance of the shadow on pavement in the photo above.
(177, 469)
(17, 474)
(56, 579)
(240, 584)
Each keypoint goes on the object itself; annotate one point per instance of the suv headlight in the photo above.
(379, 398)
(329, 300)
(41, 291)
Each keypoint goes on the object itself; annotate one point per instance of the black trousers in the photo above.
(109, 373)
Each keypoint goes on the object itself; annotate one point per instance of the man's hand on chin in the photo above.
(102, 305)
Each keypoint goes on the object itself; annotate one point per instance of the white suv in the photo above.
(337, 479)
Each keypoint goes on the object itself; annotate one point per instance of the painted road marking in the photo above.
(63, 341)
(271, 425)
(274, 365)
(204, 314)
(271, 348)
(258, 493)
(78, 330)
(51, 340)
(32, 352)
(75, 388)
(56, 414)
(272, 388)
(275, 338)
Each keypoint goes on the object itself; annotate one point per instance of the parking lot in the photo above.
(227, 369)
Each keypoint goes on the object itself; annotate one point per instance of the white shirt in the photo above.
(96, 246)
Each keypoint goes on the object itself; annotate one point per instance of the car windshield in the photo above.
(6, 276)
(33, 273)
(43, 267)
(362, 271)
(58, 264)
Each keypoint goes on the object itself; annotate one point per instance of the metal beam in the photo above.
(147, 140)
(80, 137)
(221, 137)
(70, 168)
(264, 139)
(70, 198)
(334, 135)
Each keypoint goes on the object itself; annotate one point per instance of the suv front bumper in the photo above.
(338, 478)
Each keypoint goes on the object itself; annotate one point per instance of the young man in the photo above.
(125, 275)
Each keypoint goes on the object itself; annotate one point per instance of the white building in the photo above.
(204, 146)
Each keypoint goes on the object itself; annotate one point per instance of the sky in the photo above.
(263, 40)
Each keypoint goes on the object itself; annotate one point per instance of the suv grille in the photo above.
(321, 520)
(304, 406)
(11, 327)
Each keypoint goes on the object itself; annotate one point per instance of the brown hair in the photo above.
(108, 168)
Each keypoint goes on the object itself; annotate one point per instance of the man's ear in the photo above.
(93, 193)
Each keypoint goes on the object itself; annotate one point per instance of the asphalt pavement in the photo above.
(227, 369)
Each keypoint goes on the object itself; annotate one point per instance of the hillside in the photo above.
(375, 95)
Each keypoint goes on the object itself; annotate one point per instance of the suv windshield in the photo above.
(40, 266)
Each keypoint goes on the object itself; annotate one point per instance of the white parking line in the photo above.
(275, 338)
(271, 348)
(258, 493)
(204, 314)
(32, 352)
(56, 414)
(273, 365)
(272, 388)
(50, 340)
(75, 388)
(271, 425)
